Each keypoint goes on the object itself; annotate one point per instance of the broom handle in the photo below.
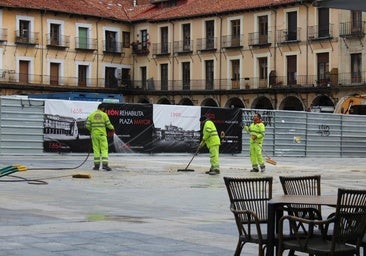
(198, 149)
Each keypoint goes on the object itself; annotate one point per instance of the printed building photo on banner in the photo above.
(176, 128)
(228, 124)
(133, 126)
(64, 125)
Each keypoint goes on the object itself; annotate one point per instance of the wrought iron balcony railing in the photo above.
(259, 39)
(183, 46)
(299, 81)
(3, 34)
(320, 32)
(230, 41)
(206, 44)
(83, 43)
(26, 37)
(161, 49)
(112, 46)
(58, 41)
(350, 29)
(287, 36)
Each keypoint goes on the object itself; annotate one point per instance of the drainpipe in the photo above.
(275, 54)
(220, 59)
(173, 60)
(97, 31)
(42, 48)
(307, 44)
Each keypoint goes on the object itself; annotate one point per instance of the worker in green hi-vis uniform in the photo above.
(97, 123)
(211, 139)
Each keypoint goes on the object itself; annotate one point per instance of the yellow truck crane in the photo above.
(353, 105)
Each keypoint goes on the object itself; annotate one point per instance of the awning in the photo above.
(359, 5)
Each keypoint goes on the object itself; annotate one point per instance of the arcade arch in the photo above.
(186, 101)
(262, 103)
(322, 103)
(209, 102)
(291, 103)
(234, 102)
(164, 101)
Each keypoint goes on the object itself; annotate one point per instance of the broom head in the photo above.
(270, 161)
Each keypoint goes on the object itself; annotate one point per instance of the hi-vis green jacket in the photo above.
(210, 136)
(257, 129)
(97, 123)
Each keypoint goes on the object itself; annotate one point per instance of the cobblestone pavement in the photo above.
(143, 207)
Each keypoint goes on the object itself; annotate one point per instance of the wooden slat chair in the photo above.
(248, 202)
(348, 222)
(302, 185)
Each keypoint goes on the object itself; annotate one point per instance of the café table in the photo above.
(275, 212)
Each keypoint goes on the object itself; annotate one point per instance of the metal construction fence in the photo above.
(288, 133)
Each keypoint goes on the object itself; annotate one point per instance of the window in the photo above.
(54, 73)
(186, 75)
(55, 34)
(262, 68)
(263, 29)
(82, 38)
(143, 77)
(323, 68)
(291, 69)
(323, 18)
(186, 37)
(24, 71)
(110, 77)
(24, 31)
(356, 60)
(235, 33)
(210, 34)
(235, 74)
(291, 26)
(164, 76)
(356, 17)
(164, 40)
(111, 41)
(144, 38)
(126, 39)
(82, 75)
(209, 71)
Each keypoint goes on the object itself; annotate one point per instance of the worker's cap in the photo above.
(203, 118)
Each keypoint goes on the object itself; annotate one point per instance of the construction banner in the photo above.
(228, 124)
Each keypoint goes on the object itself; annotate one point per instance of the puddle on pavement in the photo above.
(121, 218)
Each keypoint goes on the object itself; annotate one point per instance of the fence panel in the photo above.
(353, 142)
(21, 126)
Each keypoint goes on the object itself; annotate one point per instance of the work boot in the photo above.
(263, 168)
(214, 172)
(254, 170)
(208, 172)
(106, 167)
(96, 167)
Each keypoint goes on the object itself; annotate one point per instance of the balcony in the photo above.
(206, 44)
(3, 34)
(286, 36)
(163, 49)
(183, 47)
(259, 39)
(232, 42)
(320, 32)
(85, 44)
(10, 79)
(352, 29)
(140, 48)
(58, 41)
(112, 47)
(26, 37)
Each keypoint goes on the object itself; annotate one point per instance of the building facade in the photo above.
(282, 54)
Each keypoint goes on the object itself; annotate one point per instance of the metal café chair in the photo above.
(248, 202)
(348, 222)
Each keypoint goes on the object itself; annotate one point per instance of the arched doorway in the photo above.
(164, 101)
(291, 103)
(322, 103)
(209, 102)
(235, 103)
(186, 101)
(262, 103)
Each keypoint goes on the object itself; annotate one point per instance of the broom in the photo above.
(267, 158)
(186, 169)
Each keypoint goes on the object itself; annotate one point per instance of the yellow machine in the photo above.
(353, 105)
